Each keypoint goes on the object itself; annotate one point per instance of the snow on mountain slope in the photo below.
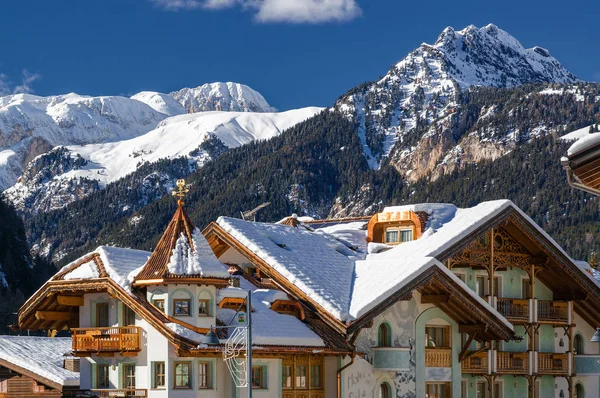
(392, 114)
(160, 102)
(31, 125)
(67, 174)
(218, 96)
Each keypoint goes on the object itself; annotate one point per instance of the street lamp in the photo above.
(211, 338)
(596, 336)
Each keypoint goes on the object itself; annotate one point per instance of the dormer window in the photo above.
(398, 235)
(181, 307)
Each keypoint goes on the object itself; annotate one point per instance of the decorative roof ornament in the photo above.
(181, 191)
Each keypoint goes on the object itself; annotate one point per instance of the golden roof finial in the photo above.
(181, 191)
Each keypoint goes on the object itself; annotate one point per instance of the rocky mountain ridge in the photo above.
(409, 117)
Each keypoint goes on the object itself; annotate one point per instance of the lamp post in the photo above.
(596, 336)
(211, 338)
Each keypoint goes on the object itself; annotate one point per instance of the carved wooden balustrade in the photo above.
(112, 393)
(438, 357)
(556, 312)
(551, 363)
(303, 394)
(476, 363)
(106, 340)
(512, 362)
(514, 309)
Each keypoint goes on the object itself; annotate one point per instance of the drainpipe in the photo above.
(339, 374)
(575, 184)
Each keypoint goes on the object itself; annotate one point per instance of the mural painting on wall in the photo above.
(401, 318)
(360, 382)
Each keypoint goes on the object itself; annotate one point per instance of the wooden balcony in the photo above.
(124, 393)
(513, 362)
(553, 312)
(107, 341)
(438, 357)
(476, 363)
(303, 394)
(514, 309)
(551, 363)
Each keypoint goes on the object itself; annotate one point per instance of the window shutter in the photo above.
(265, 380)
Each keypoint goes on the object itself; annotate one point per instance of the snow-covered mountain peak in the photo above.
(160, 102)
(219, 96)
(393, 113)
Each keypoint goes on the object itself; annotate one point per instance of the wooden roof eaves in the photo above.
(343, 219)
(112, 288)
(278, 279)
(478, 309)
(545, 244)
(40, 379)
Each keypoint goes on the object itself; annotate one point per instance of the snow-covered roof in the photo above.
(348, 285)
(120, 264)
(199, 261)
(42, 356)
(318, 264)
(269, 327)
(584, 140)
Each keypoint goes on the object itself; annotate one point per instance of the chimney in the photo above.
(70, 362)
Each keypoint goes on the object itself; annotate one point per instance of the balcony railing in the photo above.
(550, 363)
(553, 311)
(104, 340)
(513, 362)
(514, 309)
(123, 393)
(476, 363)
(438, 357)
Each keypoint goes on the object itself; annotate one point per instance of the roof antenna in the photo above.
(252, 213)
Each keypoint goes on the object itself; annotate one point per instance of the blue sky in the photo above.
(295, 52)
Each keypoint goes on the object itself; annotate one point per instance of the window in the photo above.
(579, 393)
(525, 289)
(102, 378)
(437, 390)
(437, 336)
(384, 391)
(391, 236)
(203, 307)
(464, 389)
(384, 336)
(182, 374)
(158, 370)
(578, 344)
(480, 286)
(316, 379)
(461, 277)
(301, 376)
(102, 315)
(286, 376)
(204, 375)
(129, 376)
(481, 388)
(497, 287)
(497, 390)
(406, 235)
(128, 316)
(258, 377)
(160, 304)
(181, 307)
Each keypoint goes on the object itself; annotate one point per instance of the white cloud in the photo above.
(269, 11)
(4, 84)
(307, 11)
(26, 82)
(7, 87)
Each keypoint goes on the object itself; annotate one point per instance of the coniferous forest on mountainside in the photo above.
(318, 168)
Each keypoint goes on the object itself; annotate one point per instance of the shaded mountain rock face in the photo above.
(20, 273)
(410, 115)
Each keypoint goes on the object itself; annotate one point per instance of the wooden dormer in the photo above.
(395, 227)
